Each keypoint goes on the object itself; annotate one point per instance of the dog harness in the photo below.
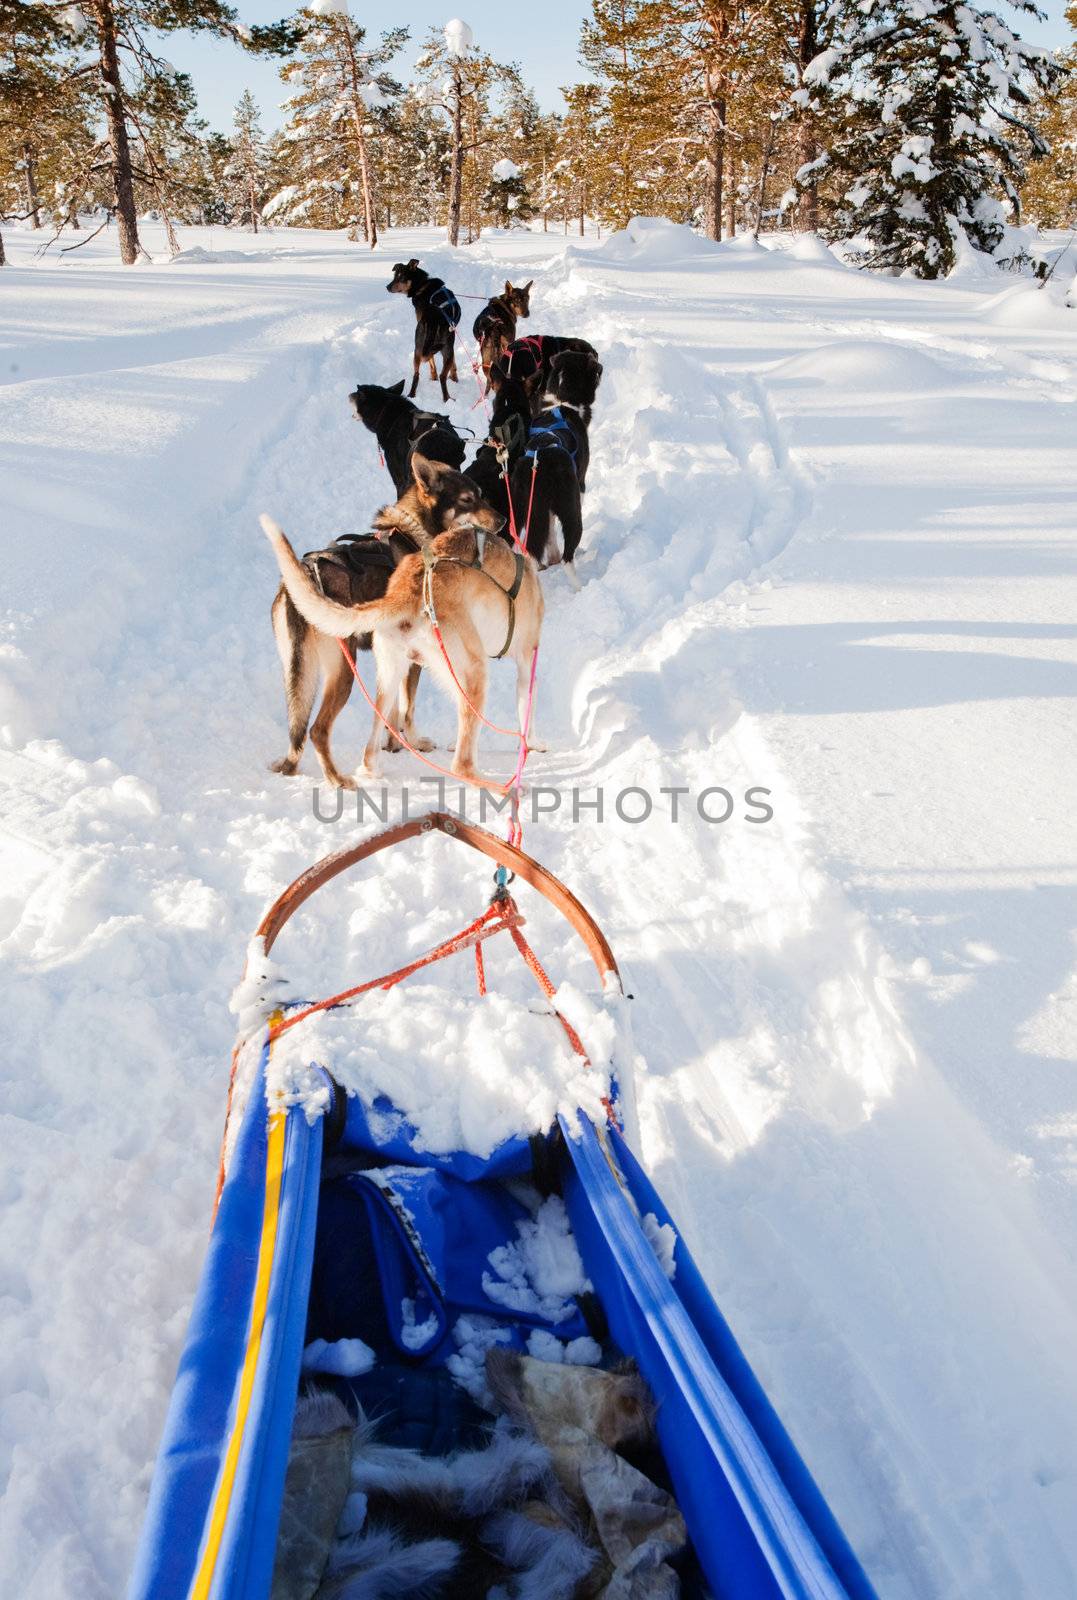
(445, 301)
(509, 437)
(556, 435)
(432, 560)
(531, 346)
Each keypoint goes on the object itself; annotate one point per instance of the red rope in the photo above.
(446, 772)
(511, 733)
(531, 496)
(502, 913)
(521, 548)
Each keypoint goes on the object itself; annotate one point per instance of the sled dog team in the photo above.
(445, 549)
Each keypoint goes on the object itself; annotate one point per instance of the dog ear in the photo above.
(508, 287)
(396, 388)
(414, 262)
(526, 288)
(426, 473)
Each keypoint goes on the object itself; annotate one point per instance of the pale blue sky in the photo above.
(542, 35)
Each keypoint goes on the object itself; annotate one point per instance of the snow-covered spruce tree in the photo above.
(519, 138)
(342, 92)
(507, 199)
(932, 128)
(248, 168)
(1049, 195)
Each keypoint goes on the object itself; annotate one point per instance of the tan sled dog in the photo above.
(487, 600)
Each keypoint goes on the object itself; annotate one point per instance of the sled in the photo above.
(299, 1253)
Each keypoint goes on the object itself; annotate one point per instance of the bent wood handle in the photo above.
(505, 855)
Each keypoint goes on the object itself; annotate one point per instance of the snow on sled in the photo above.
(446, 1354)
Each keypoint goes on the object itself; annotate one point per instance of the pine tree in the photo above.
(507, 198)
(934, 132)
(458, 80)
(141, 96)
(342, 96)
(47, 143)
(1049, 195)
(690, 88)
(248, 166)
(414, 163)
(641, 111)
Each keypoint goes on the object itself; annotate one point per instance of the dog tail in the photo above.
(328, 616)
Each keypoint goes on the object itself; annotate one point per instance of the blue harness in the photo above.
(445, 301)
(555, 435)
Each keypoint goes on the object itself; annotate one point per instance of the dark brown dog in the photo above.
(495, 325)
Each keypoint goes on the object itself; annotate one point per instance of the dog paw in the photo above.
(285, 766)
(420, 742)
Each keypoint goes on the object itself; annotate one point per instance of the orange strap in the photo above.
(501, 914)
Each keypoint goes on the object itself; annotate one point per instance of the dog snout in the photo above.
(491, 520)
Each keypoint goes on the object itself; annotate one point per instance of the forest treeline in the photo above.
(901, 126)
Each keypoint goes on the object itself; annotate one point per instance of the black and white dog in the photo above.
(551, 474)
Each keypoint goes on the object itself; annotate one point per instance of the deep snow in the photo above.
(828, 552)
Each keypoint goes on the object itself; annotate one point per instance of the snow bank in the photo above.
(654, 240)
(1030, 305)
(872, 364)
(197, 256)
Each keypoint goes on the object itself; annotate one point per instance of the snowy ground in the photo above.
(828, 552)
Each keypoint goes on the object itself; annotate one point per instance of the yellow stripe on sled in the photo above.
(219, 1514)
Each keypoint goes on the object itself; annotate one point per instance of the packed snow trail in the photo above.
(810, 490)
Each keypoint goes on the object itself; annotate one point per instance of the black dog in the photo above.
(495, 325)
(506, 438)
(529, 361)
(401, 428)
(437, 313)
(551, 474)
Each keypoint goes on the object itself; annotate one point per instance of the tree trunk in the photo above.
(33, 199)
(731, 202)
(251, 200)
(370, 226)
(807, 48)
(714, 167)
(3, 257)
(456, 171)
(122, 179)
(764, 173)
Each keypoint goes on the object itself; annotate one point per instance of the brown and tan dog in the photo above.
(487, 600)
(495, 326)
